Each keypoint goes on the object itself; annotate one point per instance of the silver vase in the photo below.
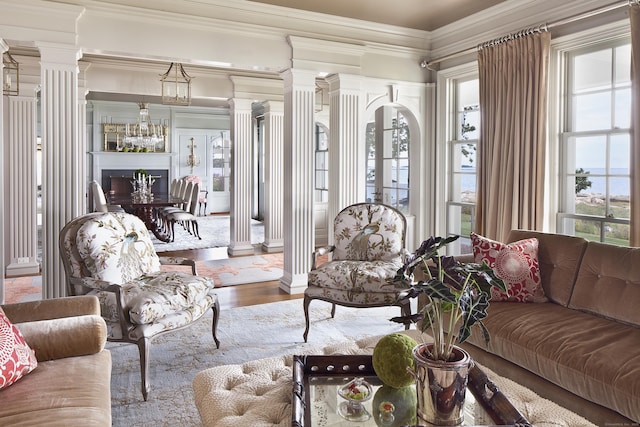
(441, 386)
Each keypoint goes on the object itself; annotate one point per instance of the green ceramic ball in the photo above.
(391, 357)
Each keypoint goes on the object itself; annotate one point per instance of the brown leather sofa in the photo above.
(71, 386)
(582, 348)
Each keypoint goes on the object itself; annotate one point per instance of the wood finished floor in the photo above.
(239, 295)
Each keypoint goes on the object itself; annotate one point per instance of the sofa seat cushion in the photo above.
(74, 391)
(590, 356)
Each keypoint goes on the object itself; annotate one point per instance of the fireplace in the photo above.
(117, 181)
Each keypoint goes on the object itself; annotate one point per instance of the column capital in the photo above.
(303, 79)
(344, 82)
(273, 106)
(3, 46)
(59, 54)
(240, 104)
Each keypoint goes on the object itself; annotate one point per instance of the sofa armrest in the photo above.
(52, 308)
(65, 337)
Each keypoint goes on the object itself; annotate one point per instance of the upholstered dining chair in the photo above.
(100, 201)
(186, 217)
(368, 250)
(111, 255)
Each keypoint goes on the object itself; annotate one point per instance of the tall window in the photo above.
(463, 130)
(595, 189)
(387, 154)
(322, 165)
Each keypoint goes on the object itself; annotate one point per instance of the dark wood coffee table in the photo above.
(316, 379)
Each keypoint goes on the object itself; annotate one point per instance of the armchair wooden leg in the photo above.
(333, 310)
(406, 312)
(214, 326)
(144, 348)
(306, 303)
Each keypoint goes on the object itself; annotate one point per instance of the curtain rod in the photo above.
(542, 27)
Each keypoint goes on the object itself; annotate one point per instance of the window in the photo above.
(387, 157)
(595, 146)
(322, 165)
(463, 142)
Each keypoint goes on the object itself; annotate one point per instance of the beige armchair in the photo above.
(111, 255)
(368, 250)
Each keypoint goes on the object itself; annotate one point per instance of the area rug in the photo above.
(214, 231)
(242, 270)
(245, 333)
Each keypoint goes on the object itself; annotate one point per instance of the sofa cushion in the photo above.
(587, 355)
(515, 263)
(608, 283)
(116, 248)
(559, 258)
(16, 357)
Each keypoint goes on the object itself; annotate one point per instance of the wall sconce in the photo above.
(176, 85)
(193, 161)
(10, 75)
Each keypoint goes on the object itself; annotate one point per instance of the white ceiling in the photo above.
(418, 14)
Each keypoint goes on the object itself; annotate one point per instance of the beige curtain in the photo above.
(511, 148)
(634, 16)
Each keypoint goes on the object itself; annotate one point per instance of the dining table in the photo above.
(146, 208)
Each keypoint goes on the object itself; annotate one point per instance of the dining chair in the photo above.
(111, 255)
(368, 250)
(100, 201)
(187, 217)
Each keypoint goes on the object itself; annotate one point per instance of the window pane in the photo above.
(616, 234)
(469, 123)
(590, 153)
(623, 64)
(592, 71)
(622, 117)
(620, 158)
(619, 190)
(592, 111)
(460, 221)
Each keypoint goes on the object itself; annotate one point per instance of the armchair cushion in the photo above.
(117, 248)
(356, 276)
(17, 359)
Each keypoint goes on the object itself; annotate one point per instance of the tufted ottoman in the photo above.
(258, 393)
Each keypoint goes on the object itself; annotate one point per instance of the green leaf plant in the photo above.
(460, 289)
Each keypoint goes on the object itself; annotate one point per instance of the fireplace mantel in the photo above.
(104, 160)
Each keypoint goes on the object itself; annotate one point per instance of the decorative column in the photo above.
(346, 145)
(22, 196)
(241, 172)
(62, 153)
(3, 48)
(299, 92)
(273, 158)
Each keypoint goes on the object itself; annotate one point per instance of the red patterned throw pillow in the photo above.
(516, 264)
(16, 357)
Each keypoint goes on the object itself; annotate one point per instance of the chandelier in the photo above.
(10, 75)
(144, 135)
(176, 85)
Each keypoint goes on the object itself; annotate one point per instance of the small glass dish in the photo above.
(355, 392)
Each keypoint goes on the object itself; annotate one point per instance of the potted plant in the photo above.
(452, 298)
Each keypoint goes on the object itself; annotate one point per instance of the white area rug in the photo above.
(245, 334)
(215, 233)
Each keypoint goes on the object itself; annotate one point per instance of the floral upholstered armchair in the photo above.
(368, 250)
(111, 255)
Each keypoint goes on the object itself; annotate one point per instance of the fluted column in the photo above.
(3, 48)
(346, 145)
(241, 172)
(62, 153)
(22, 195)
(299, 91)
(273, 158)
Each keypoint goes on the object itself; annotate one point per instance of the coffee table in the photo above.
(316, 380)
